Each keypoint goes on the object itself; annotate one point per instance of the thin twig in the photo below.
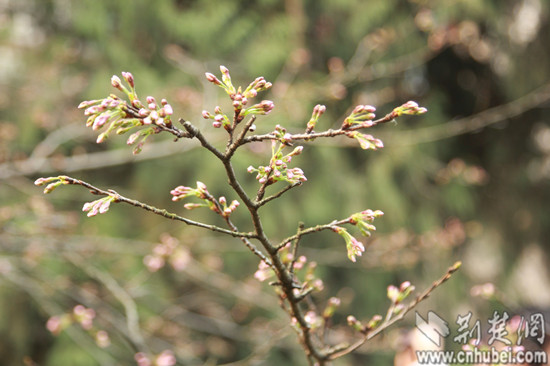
(158, 211)
(388, 322)
(130, 307)
(278, 194)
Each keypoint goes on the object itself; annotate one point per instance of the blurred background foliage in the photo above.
(468, 181)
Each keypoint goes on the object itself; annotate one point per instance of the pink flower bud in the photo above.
(267, 106)
(101, 138)
(319, 109)
(212, 78)
(116, 82)
(132, 138)
(224, 70)
(166, 358)
(136, 103)
(206, 115)
(168, 109)
(129, 78)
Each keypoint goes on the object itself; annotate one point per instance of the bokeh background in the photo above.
(467, 181)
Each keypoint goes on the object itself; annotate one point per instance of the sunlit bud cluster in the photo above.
(362, 115)
(318, 111)
(367, 142)
(168, 250)
(278, 170)
(397, 295)
(122, 117)
(410, 107)
(99, 206)
(363, 220)
(354, 247)
(165, 358)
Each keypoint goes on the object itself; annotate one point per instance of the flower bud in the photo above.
(212, 78)
(168, 109)
(129, 78)
(116, 82)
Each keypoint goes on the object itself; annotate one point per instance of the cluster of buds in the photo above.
(263, 272)
(240, 99)
(284, 137)
(310, 280)
(363, 220)
(98, 206)
(313, 319)
(124, 116)
(397, 295)
(182, 192)
(52, 183)
(318, 111)
(362, 116)
(82, 316)
(220, 119)
(354, 247)
(219, 206)
(364, 328)
(165, 358)
(168, 250)
(278, 170)
(410, 107)
(367, 142)
(227, 209)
